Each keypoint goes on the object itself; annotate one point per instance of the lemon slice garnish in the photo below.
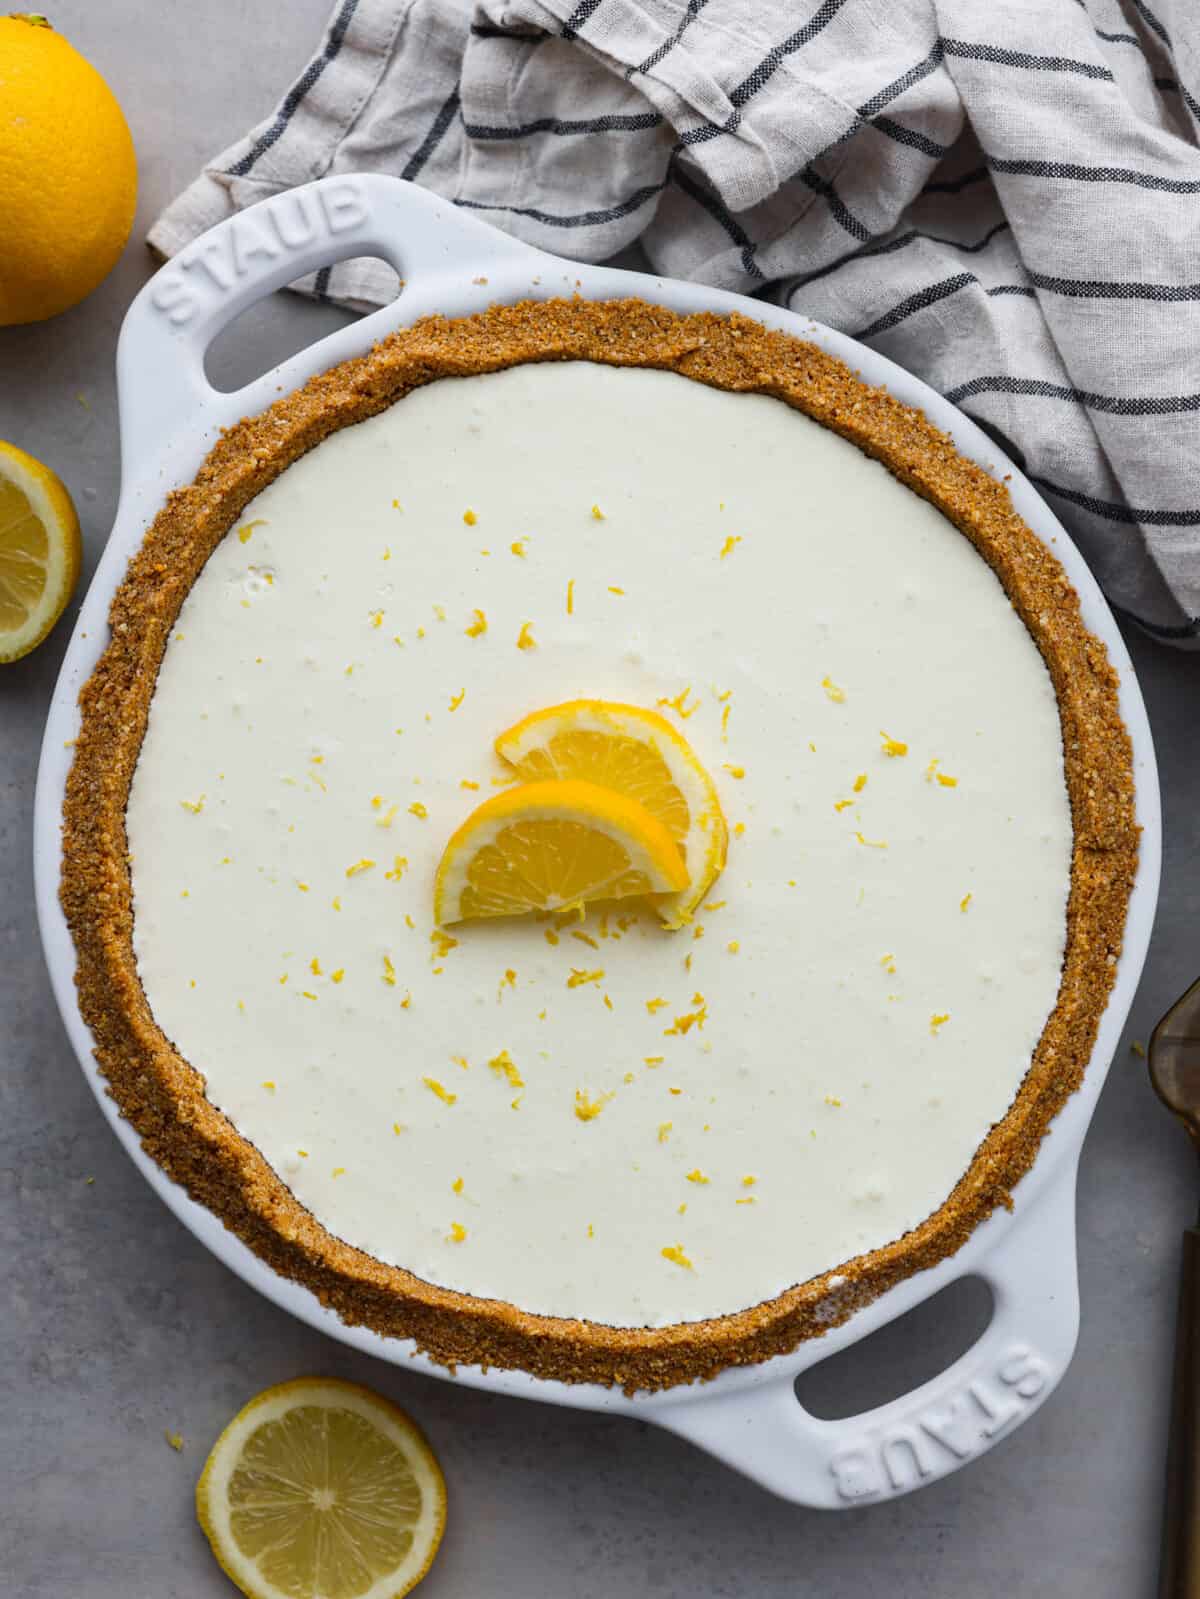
(39, 551)
(551, 846)
(320, 1489)
(639, 754)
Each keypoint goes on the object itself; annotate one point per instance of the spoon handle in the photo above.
(1179, 1577)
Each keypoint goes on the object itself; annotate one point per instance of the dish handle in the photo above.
(172, 322)
(1014, 1366)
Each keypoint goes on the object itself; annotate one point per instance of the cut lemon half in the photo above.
(551, 846)
(39, 551)
(320, 1489)
(639, 754)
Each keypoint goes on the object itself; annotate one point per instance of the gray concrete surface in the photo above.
(115, 1324)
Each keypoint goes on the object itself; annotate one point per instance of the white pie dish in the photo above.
(454, 265)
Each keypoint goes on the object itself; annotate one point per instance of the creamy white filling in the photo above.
(321, 687)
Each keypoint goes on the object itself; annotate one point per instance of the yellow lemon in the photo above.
(639, 754)
(68, 175)
(39, 550)
(552, 846)
(321, 1489)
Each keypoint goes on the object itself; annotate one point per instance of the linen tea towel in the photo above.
(1002, 197)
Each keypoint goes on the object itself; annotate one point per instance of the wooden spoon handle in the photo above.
(1179, 1576)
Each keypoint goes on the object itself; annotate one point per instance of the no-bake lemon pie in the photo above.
(610, 860)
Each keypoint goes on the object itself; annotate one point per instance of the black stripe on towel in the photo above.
(579, 17)
(695, 7)
(917, 302)
(1114, 511)
(969, 51)
(437, 132)
(1099, 289)
(580, 219)
(614, 123)
(901, 242)
(767, 67)
(839, 210)
(1115, 404)
(909, 137)
(720, 215)
(1081, 174)
(299, 89)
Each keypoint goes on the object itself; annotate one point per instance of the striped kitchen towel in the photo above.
(1004, 198)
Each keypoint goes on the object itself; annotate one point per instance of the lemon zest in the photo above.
(675, 1254)
(684, 1024)
(679, 704)
(504, 1066)
(443, 1093)
(588, 1109)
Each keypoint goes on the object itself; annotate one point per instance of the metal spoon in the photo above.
(1174, 1061)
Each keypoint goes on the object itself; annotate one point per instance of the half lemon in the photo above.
(552, 846)
(639, 754)
(40, 551)
(321, 1489)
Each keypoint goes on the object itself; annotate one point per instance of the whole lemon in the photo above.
(68, 174)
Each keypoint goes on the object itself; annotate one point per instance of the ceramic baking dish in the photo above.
(453, 264)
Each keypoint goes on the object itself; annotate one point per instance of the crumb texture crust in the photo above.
(163, 1096)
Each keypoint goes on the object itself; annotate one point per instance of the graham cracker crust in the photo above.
(163, 1096)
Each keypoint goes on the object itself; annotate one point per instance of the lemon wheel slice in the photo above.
(551, 846)
(320, 1489)
(639, 754)
(39, 551)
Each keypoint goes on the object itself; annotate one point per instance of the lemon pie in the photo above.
(599, 843)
